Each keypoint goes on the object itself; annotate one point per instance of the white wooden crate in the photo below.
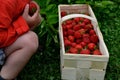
(78, 66)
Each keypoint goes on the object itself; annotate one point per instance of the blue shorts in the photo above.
(2, 56)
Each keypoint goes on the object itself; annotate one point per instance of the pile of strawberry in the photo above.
(79, 36)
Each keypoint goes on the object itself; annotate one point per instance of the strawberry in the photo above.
(71, 38)
(65, 33)
(73, 44)
(64, 38)
(81, 19)
(77, 35)
(67, 42)
(32, 8)
(70, 32)
(69, 26)
(82, 31)
(73, 50)
(78, 46)
(85, 51)
(83, 44)
(78, 41)
(69, 22)
(94, 38)
(86, 38)
(86, 21)
(63, 13)
(82, 25)
(92, 32)
(73, 23)
(91, 46)
(77, 19)
(76, 27)
(64, 27)
(88, 27)
(97, 52)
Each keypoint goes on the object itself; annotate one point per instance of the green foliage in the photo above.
(45, 65)
(108, 17)
(47, 31)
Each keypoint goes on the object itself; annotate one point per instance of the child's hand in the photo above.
(34, 20)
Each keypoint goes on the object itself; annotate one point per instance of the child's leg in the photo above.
(18, 54)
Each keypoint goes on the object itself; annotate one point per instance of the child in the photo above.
(17, 40)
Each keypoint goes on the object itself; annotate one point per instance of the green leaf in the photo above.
(52, 18)
(107, 3)
(49, 40)
(48, 2)
(50, 7)
(42, 11)
(79, 2)
(41, 3)
(55, 37)
(42, 29)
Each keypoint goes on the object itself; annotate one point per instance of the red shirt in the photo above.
(12, 24)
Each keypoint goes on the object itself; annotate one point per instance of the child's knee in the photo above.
(32, 41)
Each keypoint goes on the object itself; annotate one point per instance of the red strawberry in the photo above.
(85, 51)
(73, 23)
(70, 32)
(91, 46)
(92, 32)
(63, 13)
(94, 38)
(67, 42)
(86, 38)
(71, 38)
(82, 25)
(97, 52)
(88, 27)
(64, 33)
(82, 31)
(69, 22)
(76, 27)
(77, 19)
(32, 8)
(64, 38)
(86, 21)
(77, 35)
(83, 44)
(73, 50)
(69, 26)
(73, 44)
(78, 41)
(79, 47)
(64, 27)
(81, 19)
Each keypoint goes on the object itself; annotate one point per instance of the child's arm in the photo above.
(9, 29)
(10, 34)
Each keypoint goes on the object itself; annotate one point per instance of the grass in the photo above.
(109, 24)
(45, 65)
